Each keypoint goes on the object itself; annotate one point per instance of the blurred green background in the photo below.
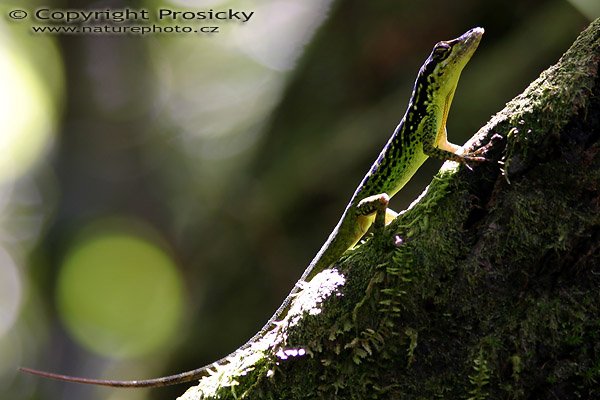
(160, 195)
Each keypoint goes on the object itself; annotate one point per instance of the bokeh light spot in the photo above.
(119, 293)
(26, 113)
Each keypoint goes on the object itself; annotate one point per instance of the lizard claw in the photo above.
(475, 155)
(470, 158)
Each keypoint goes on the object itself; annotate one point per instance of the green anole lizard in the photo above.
(421, 133)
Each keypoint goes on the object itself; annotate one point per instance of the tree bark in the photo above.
(486, 287)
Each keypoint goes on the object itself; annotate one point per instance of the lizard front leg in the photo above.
(444, 150)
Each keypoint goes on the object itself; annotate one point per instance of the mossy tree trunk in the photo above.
(487, 287)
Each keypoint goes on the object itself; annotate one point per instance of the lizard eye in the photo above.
(441, 51)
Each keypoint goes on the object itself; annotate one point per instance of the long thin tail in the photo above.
(156, 382)
(333, 248)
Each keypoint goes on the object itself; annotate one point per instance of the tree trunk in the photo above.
(487, 287)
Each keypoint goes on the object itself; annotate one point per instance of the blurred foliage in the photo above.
(234, 152)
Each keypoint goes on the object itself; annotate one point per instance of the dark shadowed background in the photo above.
(160, 194)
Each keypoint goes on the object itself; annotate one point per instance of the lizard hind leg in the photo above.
(376, 205)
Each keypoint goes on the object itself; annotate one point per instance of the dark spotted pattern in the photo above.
(403, 154)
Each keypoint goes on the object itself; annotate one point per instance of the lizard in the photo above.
(420, 134)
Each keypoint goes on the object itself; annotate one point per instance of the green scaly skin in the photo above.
(421, 133)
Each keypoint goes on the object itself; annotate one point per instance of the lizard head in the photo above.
(439, 75)
(447, 59)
